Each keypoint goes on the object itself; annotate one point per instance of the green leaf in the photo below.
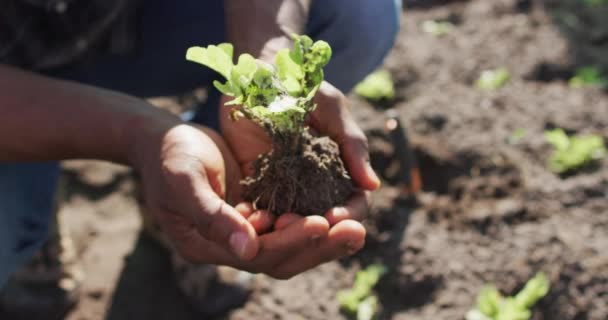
(510, 310)
(275, 97)
(290, 73)
(490, 80)
(224, 88)
(588, 77)
(217, 58)
(534, 290)
(573, 152)
(437, 28)
(558, 138)
(517, 135)
(368, 308)
(596, 2)
(228, 48)
(287, 67)
(492, 306)
(321, 52)
(377, 86)
(489, 300)
(365, 280)
(475, 314)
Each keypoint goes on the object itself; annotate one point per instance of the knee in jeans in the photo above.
(372, 26)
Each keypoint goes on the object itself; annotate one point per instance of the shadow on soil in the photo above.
(146, 288)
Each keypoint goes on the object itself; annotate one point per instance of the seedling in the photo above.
(360, 300)
(490, 80)
(592, 3)
(377, 86)
(491, 305)
(573, 152)
(517, 135)
(302, 173)
(437, 28)
(588, 77)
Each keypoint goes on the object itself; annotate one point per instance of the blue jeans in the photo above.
(361, 32)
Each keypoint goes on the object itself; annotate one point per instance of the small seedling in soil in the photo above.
(491, 305)
(302, 173)
(360, 299)
(377, 86)
(592, 3)
(573, 152)
(588, 77)
(491, 80)
(517, 135)
(437, 28)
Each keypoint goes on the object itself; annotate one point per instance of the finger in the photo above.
(299, 232)
(245, 209)
(285, 220)
(261, 221)
(189, 243)
(231, 186)
(355, 153)
(224, 225)
(345, 238)
(256, 139)
(333, 118)
(280, 245)
(356, 208)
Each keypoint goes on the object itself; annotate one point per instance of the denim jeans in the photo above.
(361, 32)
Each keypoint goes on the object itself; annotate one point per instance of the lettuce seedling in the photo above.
(490, 80)
(588, 77)
(517, 135)
(360, 300)
(592, 3)
(491, 305)
(573, 152)
(278, 97)
(302, 173)
(437, 28)
(377, 86)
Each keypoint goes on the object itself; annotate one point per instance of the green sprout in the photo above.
(277, 97)
(517, 135)
(573, 152)
(588, 77)
(490, 80)
(360, 300)
(491, 305)
(377, 86)
(592, 3)
(437, 28)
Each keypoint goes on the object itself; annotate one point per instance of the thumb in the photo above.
(219, 222)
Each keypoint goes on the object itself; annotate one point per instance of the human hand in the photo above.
(345, 234)
(186, 188)
(331, 118)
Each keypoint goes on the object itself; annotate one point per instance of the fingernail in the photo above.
(372, 175)
(239, 242)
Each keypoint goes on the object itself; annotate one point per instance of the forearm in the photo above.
(47, 119)
(262, 27)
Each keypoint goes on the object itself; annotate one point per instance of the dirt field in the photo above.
(490, 211)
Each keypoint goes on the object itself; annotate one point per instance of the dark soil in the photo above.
(490, 211)
(310, 180)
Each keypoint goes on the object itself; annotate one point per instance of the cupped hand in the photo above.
(332, 118)
(188, 191)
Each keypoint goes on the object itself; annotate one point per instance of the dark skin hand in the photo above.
(183, 169)
(345, 234)
(195, 174)
(263, 34)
